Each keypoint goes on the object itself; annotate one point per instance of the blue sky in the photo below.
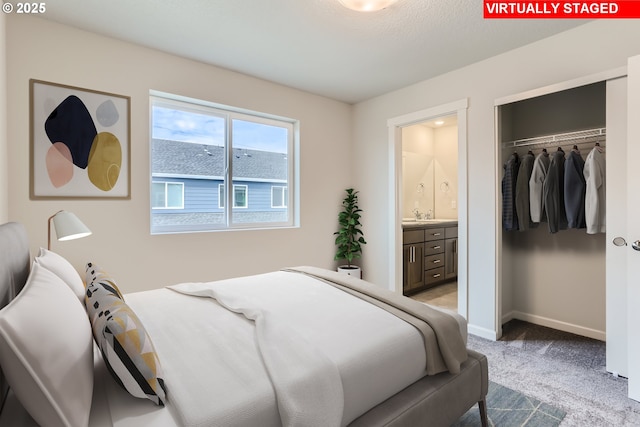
(186, 126)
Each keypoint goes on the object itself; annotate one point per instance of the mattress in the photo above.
(214, 370)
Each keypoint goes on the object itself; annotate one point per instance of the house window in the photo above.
(279, 197)
(240, 196)
(167, 195)
(212, 148)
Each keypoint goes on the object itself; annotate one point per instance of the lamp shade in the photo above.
(68, 226)
(367, 5)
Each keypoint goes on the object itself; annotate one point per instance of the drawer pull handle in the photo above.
(436, 234)
(436, 275)
(437, 261)
(436, 247)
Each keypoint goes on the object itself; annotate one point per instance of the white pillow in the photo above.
(46, 351)
(59, 266)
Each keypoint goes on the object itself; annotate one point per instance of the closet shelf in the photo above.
(582, 136)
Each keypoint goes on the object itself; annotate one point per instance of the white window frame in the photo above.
(166, 195)
(223, 198)
(230, 113)
(282, 203)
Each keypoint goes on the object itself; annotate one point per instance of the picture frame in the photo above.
(80, 145)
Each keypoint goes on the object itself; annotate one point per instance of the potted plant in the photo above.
(349, 237)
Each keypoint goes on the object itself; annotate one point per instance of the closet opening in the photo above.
(552, 256)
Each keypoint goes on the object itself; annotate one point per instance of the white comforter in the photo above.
(290, 358)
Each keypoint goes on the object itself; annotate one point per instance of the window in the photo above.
(210, 149)
(240, 198)
(279, 197)
(167, 195)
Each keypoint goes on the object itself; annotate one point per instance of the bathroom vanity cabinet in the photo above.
(430, 254)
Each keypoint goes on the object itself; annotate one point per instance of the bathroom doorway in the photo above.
(439, 192)
(430, 200)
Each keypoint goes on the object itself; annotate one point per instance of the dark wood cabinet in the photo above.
(412, 260)
(430, 256)
(451, 253)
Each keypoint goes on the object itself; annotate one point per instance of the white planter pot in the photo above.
(354, 270)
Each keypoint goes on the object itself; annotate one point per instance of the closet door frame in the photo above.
(558, 87)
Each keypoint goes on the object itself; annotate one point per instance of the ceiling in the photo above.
(313, 45)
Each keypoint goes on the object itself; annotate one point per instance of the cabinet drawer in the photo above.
(412, 236)
(433, 234)
(434, 247)
(450, 232)
(433, 276)
(433, 261)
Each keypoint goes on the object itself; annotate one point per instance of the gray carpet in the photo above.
(506, 407)
(562, 370)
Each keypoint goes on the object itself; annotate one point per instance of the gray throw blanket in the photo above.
(444, 346)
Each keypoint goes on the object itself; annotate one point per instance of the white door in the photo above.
(616, 256)
(633, 227)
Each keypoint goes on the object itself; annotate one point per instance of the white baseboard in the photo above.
(482, 332)
(555, 324)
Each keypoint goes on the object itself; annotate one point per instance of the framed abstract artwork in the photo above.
(80, 143)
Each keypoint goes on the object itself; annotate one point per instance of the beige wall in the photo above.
(121, 241)
(430, 158)
(418, 161)
(594, 47)
(445, 185)
(4, 173)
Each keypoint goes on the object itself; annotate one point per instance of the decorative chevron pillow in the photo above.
(95, 274)
(125, 345)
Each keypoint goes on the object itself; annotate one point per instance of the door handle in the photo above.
(619, 241)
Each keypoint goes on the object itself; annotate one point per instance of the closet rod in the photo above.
(589, 135)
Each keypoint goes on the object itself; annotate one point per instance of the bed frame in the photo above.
(15, 262)
(437, 400)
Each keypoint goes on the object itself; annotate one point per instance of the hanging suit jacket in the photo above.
(536, 183)
(522, 192)
(574, 190)
(594, 174)
(553, 193)
(509, 215)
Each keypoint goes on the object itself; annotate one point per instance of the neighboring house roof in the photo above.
(201, 160)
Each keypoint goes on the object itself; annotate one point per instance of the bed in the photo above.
(297, 347)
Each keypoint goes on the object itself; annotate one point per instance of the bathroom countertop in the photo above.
(429, 223)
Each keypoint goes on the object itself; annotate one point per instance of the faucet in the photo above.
(429, 214)
(417, 214)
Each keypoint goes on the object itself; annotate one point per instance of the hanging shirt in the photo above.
(522, 192)
(553, 193)
(595, 203)
(536, 183)
(574, 190)
(509, 215)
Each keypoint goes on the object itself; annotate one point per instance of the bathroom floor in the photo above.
(445, 295)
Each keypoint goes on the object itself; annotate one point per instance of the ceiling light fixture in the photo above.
(367, 5)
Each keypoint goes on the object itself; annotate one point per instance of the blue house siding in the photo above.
(201, 204)
(200, 169)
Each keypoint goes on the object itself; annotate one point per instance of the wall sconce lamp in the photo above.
(367, 5)
(67, 226)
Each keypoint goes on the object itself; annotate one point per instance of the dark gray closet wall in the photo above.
(570, 110)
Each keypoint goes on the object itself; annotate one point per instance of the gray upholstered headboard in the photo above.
(15, 262)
